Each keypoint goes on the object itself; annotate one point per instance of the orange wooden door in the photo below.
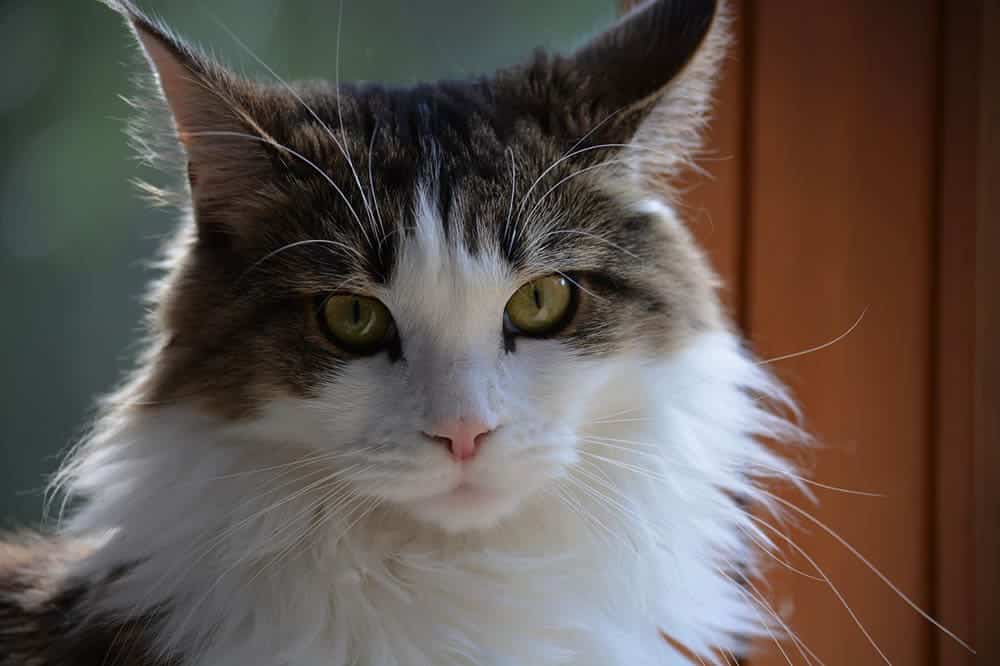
(851, 155)
(842, 186)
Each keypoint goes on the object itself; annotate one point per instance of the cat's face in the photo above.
(441, 288)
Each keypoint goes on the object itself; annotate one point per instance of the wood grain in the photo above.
(860, 163)
(955, 330)
(843, 126)
(986, 421)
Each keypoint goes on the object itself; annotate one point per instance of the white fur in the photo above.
(602, 508)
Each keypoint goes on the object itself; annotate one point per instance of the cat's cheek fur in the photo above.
(239, 574)
(367, 420)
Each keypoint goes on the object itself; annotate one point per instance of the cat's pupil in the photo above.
(356, 311)
(537, 293)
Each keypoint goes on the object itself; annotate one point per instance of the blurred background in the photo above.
(853, 166)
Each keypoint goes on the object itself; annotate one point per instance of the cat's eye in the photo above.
(358, 324)
(542, 307)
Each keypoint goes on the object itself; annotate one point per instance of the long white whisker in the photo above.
(311, 241)
(769, 549)
(655, 452)
(826, 578)
(559, 161)
(604, 497)
(574, 505)
(579, 286)
(594, 129)
(871, 567)
(371, 184)
(217, 540)
(339, 494)
(290, 151)
(508, 231)
(241, 559)
(297, 462)
(580, 232)
(623, 412)
(575, 153)
(340, 113)
(761, 605)
(821, 347)
(564, 179)
(294, 93)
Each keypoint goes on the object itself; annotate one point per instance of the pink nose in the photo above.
(462, 437)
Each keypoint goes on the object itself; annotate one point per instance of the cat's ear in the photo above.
(648, 81)
(218, 118)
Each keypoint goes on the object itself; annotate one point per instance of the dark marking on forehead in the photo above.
(495, 157)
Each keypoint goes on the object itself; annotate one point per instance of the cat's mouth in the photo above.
(466, 505)
(467, 491)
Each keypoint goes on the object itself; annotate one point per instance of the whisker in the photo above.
(340, 113)
(821, 347)
(826, 579)
(612, 415)
(564, 179)
(311, 241)
(825, 486)
(759, 603)
(574, 153)
(271, 142)
(508, 230)
(769, 549)
(604, 497)
(595, 128)
(340, 494)
(659, 456)
(580, 232)
(563, 158)
(371, 184)
(294, 93)
(579, 286)
(871, 567)
(201, 552)
(243, 558)
(574, 505)
(311, 458)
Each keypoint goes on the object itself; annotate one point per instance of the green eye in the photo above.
(542, 307)
(358, 324)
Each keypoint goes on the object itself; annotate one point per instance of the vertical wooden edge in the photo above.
(747, 17)
(987, 389)
(842, 171)
(953, 323)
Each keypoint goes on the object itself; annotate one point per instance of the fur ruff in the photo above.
(647, 532)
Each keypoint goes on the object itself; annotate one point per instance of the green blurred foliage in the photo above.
(75, 238)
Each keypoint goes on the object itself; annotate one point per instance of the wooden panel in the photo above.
(987, 392)
(954, 542)
(842, 176)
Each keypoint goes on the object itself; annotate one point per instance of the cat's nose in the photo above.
(462, 437)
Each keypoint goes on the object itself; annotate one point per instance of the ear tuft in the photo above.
(219, 119)
(187, 79)
(648, 81)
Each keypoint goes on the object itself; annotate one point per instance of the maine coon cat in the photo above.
(435, 375)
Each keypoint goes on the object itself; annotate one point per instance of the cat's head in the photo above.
(440, 286)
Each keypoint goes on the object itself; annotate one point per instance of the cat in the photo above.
(435, 375)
